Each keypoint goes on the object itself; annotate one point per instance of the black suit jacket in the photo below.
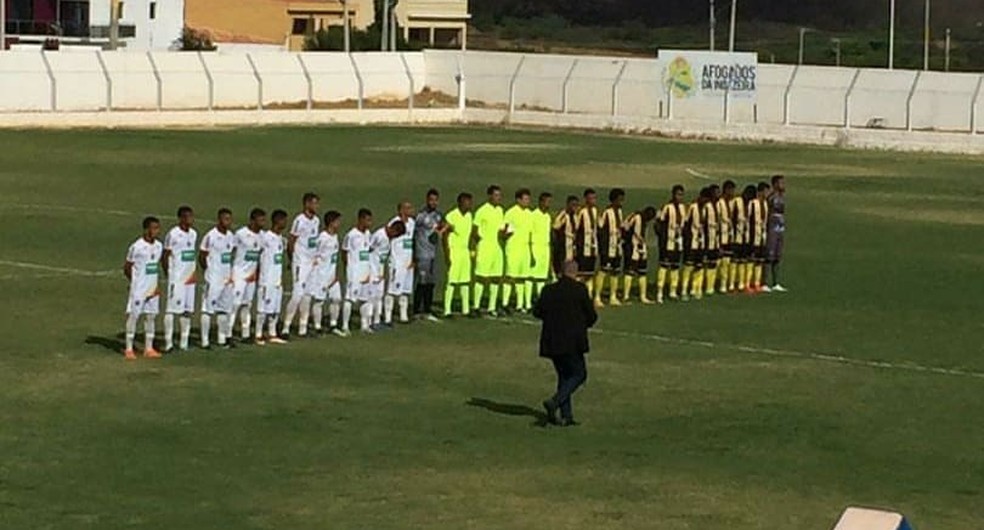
(567, 312)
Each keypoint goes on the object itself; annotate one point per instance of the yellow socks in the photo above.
(697, 283)
(626, 287)
(599, 285)
(660, 282)
(749, 274)
(493, 296)
(688, 271)
(674, 282)
(710, 280)
(589, 283)
(479, 290)
(644, 290)
(758, 275)
(613, 290)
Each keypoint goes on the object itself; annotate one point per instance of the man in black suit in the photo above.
(567, 312)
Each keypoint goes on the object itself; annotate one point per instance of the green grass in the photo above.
(884, 261)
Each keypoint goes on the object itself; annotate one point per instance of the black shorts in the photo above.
(759, 253)
(712, 257)
(587, 265)
(694, 256)
(728, 250)
(636, 267)
(670, 258)
(743, 252)
(610, 263)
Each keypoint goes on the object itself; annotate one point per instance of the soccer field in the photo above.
(862, 385)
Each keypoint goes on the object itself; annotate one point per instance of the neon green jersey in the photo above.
(460, 229)
(520, 222)
(542, 227)
(488, 220)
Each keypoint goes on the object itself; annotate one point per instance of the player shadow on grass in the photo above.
(113, 344)
(510, 409)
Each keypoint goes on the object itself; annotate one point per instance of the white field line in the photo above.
(694, 173)
(62, 208)
(50, 270)
(772, 352)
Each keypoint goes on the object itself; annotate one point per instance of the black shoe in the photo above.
(285, 336)
(169, 351)
(551, 408)
(568, 422)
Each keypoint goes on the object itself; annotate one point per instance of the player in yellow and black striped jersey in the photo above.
(669, 227)
(693, 252)
(739, 224)
(726, 233)
(758, 217)
(610, 247)
(565, 235)
(636, 252)
(712, 237)
(586, 224)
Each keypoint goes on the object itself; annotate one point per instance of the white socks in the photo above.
(184, 322)
(346, 315)
(334, 308)
(404, 302)
(223, 326)
(168, 331)
(318, 312)
(149, 328)
(260, 320)
(365, 314)
(305, 314)
(377, 311)
(131, 329)
(389, 302)
(206, 328)
(246, 317)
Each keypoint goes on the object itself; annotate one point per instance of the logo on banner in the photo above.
(680, 78)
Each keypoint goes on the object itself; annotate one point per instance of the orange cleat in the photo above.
(151, 353)
(129, 355)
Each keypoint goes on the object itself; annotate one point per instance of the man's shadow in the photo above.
(113, 344)
(510, 409)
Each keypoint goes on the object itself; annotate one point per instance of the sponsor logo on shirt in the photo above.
(363, 255)
(312, 242)
(407, 244)
(151, 268)
(278, 258)
(252, 255)
(226, 258)
(187, 255)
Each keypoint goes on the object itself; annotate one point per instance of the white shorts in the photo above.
(244, 293)
(141, 305)
(400, 281)
(180, 298)
(357, 291)
(218, 298)
(270, 300)
(324, 292)
(375, 290)
(302, 274)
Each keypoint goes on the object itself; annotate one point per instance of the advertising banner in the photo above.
(705, 74)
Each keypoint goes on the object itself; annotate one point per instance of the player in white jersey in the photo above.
(302, 242)
(178, 261)
(358, 272)
(141, 269)
(400, 285)
(324, 284)
(271, 290)
(246, 270)
(379, 257)
(215, 258)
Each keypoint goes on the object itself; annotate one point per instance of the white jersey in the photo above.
(145, 271)
(219, 247)
(356, 247)
(247, 260)
(379, 252)
(305, 229)
(401, 248)
(326, 258)
(181, 262)
(271, 259)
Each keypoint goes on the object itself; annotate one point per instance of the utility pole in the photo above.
(891, 36)
(734, 22)
(946, 62)
(393, 29)
(713, 24)
(926, 39)
(114, 24)
(386, 15)
(348, 26)
(3, 25)
(803, 32)
(837, 49)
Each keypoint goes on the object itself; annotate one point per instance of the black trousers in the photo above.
(572, 372)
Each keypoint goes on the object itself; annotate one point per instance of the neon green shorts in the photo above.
(541, 267)
(460, 269)
(518, 263)
(489, 261)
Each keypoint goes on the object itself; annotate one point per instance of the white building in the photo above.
(144, 24)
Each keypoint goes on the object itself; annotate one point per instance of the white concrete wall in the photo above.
(943, 101)
(284, 82)
(332, 76)
(817, 95)
(881, 95)
(384, 75)
(133, 80)
(236, 85)
(79, 80)
(441, 69)
(24, 82)
(185, 83)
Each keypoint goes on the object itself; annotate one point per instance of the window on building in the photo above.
(300, 26)
(153, 10)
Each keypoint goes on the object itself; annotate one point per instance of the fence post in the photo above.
(669, 101)
(310, 84)
(847, 98)
(512, 86)
(908, 101)
(462, 94)
(160, 82)
(974, 104)
(109, 80)
(211, 83)
(565, 101)
(413, 90)
(53, 83)
(358, 78)
(618, 80)
(259, 82)
(787, 95)
(727, 104)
